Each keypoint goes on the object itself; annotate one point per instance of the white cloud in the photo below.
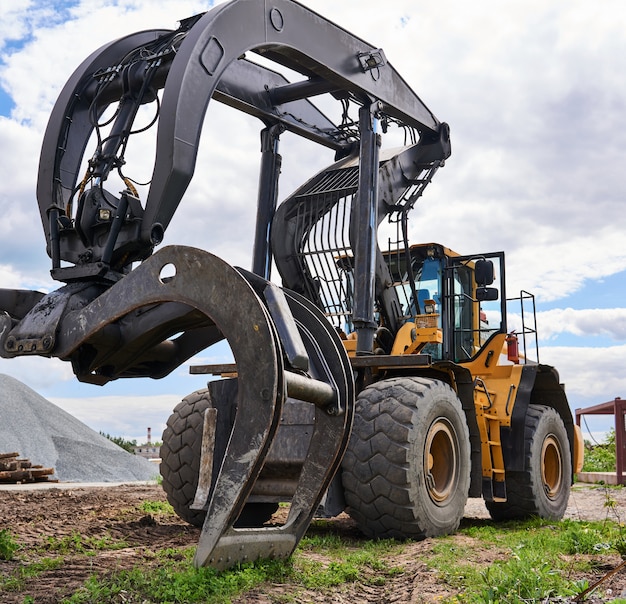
(591, 322)
(38, 372)
(554, 267)
(126, 416)
(591, 375)
(13, 22)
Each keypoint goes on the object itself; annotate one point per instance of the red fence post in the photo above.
(617, 408)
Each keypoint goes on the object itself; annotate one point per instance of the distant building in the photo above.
(148, 451)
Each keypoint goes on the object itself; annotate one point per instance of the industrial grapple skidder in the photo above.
(348, 319)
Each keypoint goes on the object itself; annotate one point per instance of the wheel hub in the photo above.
(551, 466)
(441, 460)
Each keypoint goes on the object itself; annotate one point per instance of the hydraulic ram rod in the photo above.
(299, 386)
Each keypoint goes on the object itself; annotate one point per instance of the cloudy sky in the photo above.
(535, 95)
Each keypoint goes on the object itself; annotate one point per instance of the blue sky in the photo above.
(534, 95)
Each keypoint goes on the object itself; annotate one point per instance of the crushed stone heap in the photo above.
(51, 437)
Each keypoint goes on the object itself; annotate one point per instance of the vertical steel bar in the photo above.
(364, 225)
(620, 439)
(266, 204)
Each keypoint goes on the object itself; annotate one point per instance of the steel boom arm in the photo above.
(207, 64)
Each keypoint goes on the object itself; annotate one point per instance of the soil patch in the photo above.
(37, 518)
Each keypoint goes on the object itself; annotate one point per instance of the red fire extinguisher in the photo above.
(512, 347)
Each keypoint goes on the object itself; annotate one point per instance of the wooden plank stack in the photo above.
(15, 470)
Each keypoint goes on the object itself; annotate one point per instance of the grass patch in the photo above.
(80, 544)
(535, 560)
(176, 580)
(8, 545)
(506, 563)
(17, 579)
(343, 561)
(157, 508)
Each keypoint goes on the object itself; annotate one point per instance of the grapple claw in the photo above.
(222, 544)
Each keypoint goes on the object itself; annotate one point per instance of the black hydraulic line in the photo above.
(116, 227)
(409, 261)
(55, 250)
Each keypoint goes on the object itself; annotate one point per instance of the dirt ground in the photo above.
(34, 516)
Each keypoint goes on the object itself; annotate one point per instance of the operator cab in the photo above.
(454, 304)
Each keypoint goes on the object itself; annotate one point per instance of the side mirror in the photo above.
(483, 272)
(486, 294)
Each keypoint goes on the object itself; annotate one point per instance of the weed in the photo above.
(16, 580)
(157, 508)
(8, 545)
(523, 577)
(344, 561)
(179, 581)
(80, 544)
(534, 559)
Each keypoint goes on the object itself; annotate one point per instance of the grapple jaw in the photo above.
(327, 385)
(185, 299)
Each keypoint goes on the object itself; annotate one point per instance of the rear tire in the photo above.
(406, 473)
(180, 463)
(543, 488)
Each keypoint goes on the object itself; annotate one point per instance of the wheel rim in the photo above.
(441, 460)
(551, 466)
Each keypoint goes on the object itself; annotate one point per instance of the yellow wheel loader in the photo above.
(371, 375)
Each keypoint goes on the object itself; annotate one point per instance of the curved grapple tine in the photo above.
(222, 546)
(208, 284)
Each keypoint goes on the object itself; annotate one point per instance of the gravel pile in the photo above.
(48, 436)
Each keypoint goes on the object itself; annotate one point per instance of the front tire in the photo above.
(406, 472)
(180, 455)
(180, 464)
(542, 488)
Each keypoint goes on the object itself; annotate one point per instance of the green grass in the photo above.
(157, 508)
(528, 561)
(80, 544)
(8, 545)
(174, 579)
(346, 561)
(16, 580)
(54, 549)
(600, 457)
(536, 560)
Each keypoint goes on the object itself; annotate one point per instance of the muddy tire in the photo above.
(406, 473)
(180, 463)
(543, 488)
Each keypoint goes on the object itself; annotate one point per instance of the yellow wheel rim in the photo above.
(551, 466)
(441, 460)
